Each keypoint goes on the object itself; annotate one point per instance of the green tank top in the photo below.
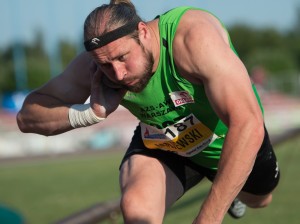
(175, 114)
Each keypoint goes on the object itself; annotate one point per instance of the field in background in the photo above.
(47, 190)
(285, 206)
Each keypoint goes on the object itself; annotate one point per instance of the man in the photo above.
(200, 115)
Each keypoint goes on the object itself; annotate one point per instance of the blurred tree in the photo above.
(37, 63)
(36, 48)
(266, 47)
(274, 60)
(293, 39)
(244, 38)
(68, 52)
(293, 46)
(269, 38)
(7, 78)
(297, 21)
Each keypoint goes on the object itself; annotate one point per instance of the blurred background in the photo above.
(39, 38)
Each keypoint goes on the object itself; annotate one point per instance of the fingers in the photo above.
(93, 67)
(121, 92)
(107, 82)
(96, 75)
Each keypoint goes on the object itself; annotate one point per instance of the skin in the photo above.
(123, 62)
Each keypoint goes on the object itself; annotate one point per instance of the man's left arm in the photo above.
(207, 57)
(230, 92)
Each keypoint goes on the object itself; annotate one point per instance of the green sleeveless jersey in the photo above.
(175, 114)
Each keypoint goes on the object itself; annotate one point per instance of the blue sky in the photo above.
(20, 19)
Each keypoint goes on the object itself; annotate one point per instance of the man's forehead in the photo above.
(104, 39)
(114, 49)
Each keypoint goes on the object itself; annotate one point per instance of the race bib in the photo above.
(187, 137)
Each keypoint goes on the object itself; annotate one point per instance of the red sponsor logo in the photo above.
(183, 98)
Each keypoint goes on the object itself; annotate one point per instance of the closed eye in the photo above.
(122, 58)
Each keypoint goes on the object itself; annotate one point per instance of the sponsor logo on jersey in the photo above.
(148, 135)
(180, 98)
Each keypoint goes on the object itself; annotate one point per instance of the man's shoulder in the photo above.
(198, 21)
(174, 14)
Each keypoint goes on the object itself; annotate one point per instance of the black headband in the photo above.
(111, 36)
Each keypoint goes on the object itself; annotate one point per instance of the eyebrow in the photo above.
(120, 55)
(110, 60)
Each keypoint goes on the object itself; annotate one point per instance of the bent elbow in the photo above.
(26, 125)
(31, 125)
(260, 126)
(22, 124)
(258, 132)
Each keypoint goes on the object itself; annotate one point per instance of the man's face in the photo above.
(126, 63)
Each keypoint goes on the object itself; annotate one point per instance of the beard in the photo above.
(146, 76)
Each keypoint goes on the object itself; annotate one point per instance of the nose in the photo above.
(119, 70)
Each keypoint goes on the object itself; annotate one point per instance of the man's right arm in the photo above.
(45, 110)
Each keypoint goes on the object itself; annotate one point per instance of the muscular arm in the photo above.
(45, 110)
(206, 58)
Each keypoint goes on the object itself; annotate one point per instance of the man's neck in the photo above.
(155, 42)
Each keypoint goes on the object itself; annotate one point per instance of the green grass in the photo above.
(285, 205)
(48, 190)
(45, 191)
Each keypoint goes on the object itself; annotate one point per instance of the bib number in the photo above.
(187, 137)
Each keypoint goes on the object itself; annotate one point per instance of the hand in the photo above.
(104, 99)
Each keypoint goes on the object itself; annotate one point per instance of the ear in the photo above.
(144, 32)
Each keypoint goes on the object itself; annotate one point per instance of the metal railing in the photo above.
(95, 214)
(111, 210)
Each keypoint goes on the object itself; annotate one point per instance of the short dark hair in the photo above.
(108, 17)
